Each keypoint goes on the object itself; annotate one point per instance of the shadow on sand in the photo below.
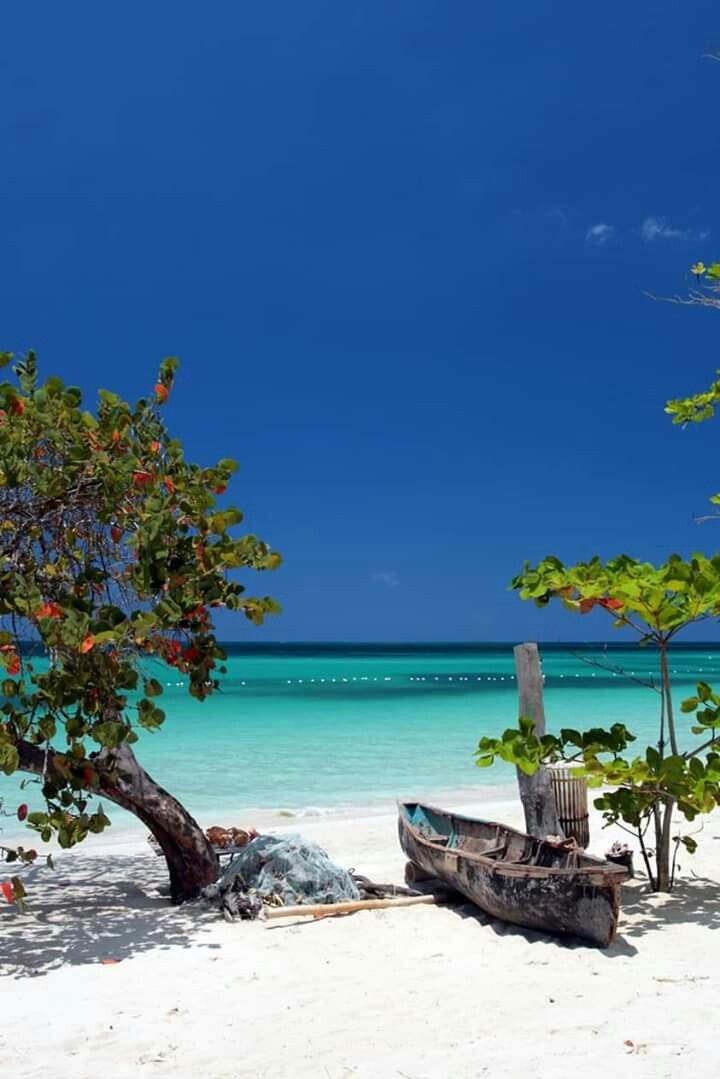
(113, 907)
(694, 900)
(619, 947)
(94, 909)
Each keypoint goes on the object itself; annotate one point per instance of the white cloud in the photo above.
(599, 234)
(388, 578)
(657, 228)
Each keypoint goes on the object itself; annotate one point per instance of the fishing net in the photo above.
(282, 869)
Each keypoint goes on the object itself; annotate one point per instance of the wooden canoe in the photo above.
(530, 882)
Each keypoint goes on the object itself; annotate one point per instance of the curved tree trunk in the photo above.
(191, 861)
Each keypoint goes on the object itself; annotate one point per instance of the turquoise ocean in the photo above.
(317, 727)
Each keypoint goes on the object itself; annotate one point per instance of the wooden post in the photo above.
(536, 793)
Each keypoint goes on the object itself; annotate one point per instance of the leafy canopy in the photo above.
(114, 551)
(656, 601)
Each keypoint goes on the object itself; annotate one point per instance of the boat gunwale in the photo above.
(617, 873)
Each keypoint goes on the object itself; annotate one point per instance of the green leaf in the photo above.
(704, 691)
(109, 734)
(9, 758)
(227, 464)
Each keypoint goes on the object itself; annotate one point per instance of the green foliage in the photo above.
(656, 601)
(700, 406)
(114, 553)
(639, 782)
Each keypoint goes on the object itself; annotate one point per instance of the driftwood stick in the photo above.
(319, 910)
(536, 791)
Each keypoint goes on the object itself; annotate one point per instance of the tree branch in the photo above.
(592, 661)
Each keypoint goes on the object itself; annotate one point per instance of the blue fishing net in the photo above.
(287, 867)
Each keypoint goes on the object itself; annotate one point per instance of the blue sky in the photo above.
(401, 249)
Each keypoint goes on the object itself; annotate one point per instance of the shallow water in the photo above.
(315, 727)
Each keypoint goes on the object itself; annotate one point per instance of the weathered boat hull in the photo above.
(529, 882)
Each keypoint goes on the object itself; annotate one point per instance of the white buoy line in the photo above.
(454, 679)
(450, 679)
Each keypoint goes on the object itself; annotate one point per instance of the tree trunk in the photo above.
(664, 811)
(663, 821)
(667, 696)
(536, 793)
(191, 861)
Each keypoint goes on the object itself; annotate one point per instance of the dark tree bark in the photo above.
(191, 861)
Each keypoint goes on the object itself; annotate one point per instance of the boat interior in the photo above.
(489, 840)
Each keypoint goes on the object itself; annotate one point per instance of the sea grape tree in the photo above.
(641, 788)
(114, 553)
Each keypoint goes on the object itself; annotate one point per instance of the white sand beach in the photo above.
(414, 993)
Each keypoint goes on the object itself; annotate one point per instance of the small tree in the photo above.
(656, 603)
(113, 554)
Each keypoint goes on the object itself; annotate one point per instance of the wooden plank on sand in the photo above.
(322, 910)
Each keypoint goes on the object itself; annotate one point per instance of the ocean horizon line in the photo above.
(690, 645)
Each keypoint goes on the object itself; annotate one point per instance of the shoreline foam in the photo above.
(125, 825)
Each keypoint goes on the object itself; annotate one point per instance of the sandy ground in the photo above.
(414, 993)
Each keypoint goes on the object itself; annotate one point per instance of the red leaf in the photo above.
(586, 605)
(610, 604)
(141, 478)
(49, 610)
(22, 812)
(116, 533)
(88, 643)
(161, 392)
(154, 446)
(8, 891)
(18, 406)
(13, 666)
(220, 490)
(169, 485)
